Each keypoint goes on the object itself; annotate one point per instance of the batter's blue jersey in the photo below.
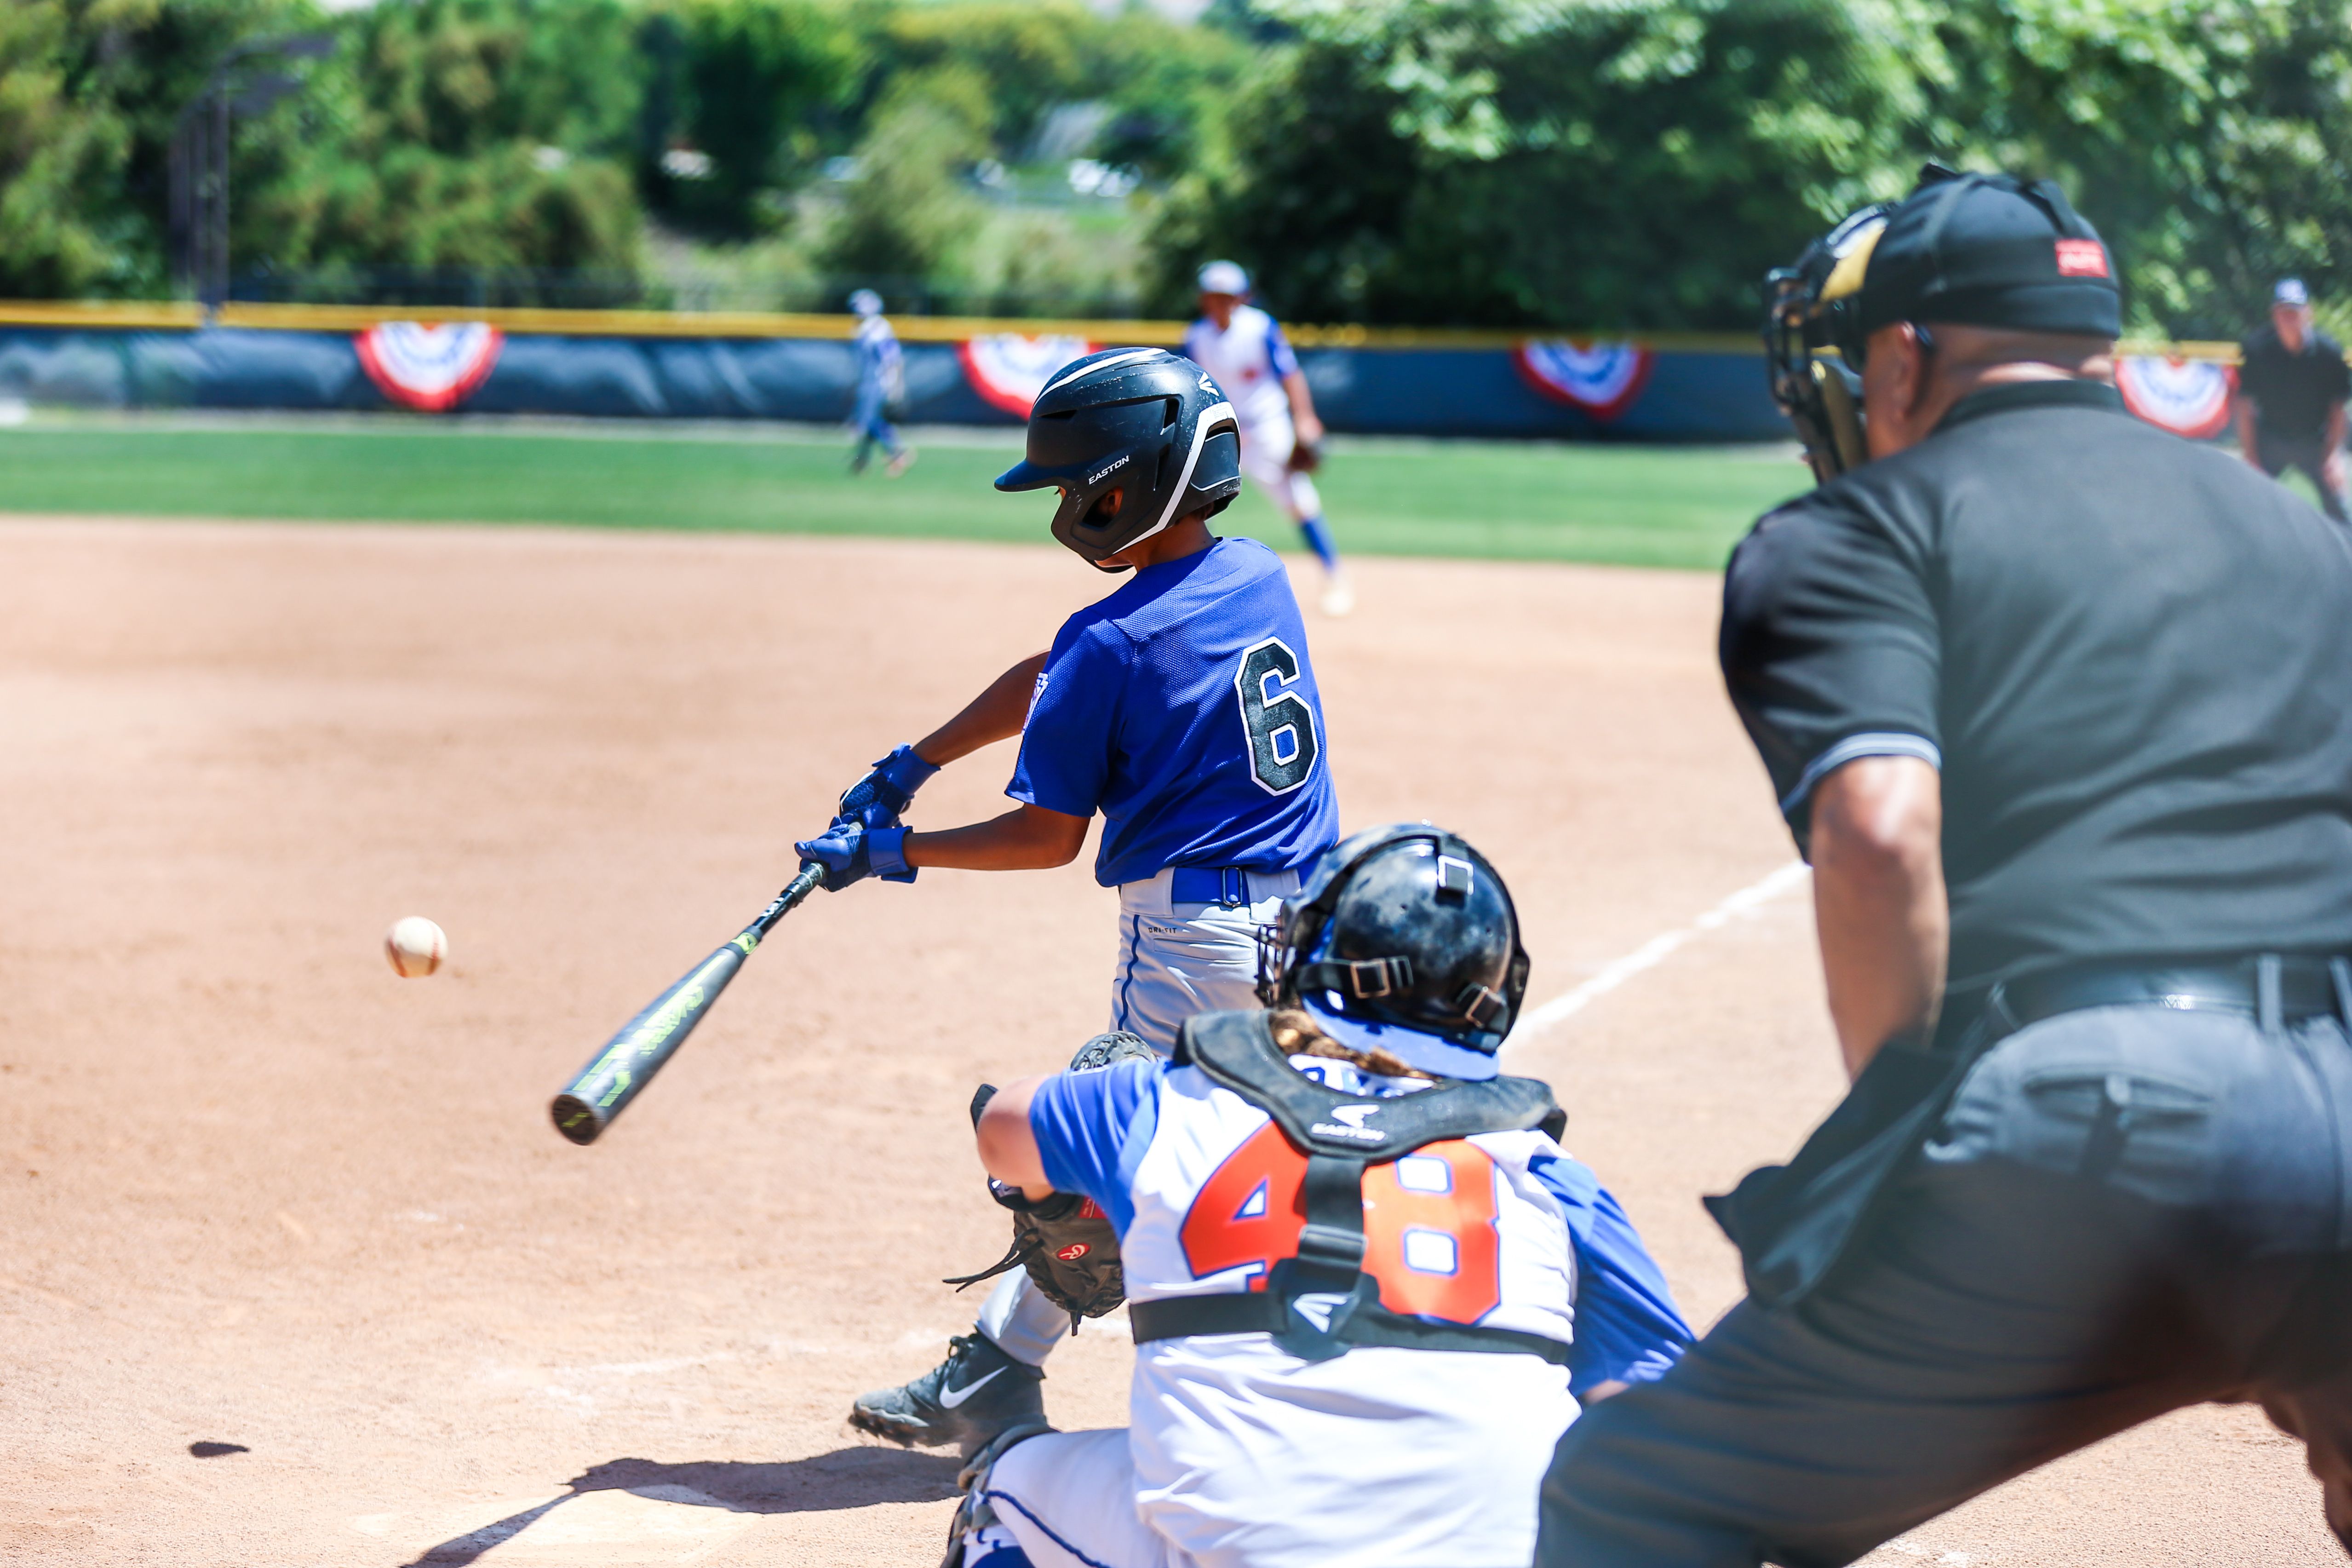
(1184, 709)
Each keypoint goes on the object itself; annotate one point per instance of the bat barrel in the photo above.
(603, 1089)
(612, 1077)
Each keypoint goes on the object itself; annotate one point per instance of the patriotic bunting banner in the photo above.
(1010, 369)
(1601, 379)
(2188, 397)
(429, 368)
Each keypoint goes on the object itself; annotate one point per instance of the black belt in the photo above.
(1261, 1313)
(2276, 988)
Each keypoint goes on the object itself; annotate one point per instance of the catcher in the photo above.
(1369, 1288)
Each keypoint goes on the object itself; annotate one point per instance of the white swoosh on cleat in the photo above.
(951, 1398)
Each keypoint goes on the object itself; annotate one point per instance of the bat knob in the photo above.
(576, 1119)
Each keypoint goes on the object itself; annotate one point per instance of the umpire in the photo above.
(2055, 703)
(2292, 386)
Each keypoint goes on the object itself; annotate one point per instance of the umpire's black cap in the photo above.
(1989, 251)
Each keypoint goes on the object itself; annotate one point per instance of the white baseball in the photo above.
(415, 946)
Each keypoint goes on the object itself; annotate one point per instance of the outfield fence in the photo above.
(959, 370)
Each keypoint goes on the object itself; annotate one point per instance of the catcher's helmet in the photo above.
(1406, 939)
(1134, 439)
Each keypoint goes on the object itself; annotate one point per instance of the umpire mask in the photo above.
(1809, 310)
(1984, 250)
(1402, 939)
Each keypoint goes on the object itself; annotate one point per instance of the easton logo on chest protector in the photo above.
(1348, 1122)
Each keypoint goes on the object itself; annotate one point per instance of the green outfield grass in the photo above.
(1636, 506)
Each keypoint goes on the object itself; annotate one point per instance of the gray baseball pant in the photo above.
(2126, 1210)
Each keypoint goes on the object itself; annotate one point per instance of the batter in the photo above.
(1183, 708)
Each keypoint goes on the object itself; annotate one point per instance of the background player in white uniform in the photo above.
(1184, 709)
(881, 381)
(1244, 350)
(1508, 1283)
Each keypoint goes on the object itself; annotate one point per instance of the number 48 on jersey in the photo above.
(1428, 1224)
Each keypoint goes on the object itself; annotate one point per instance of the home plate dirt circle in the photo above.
(298, 1274)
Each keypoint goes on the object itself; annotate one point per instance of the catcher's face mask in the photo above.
(1810, 311)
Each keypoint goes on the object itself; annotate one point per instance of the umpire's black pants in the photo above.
(2306, 455)
(2126, 1210)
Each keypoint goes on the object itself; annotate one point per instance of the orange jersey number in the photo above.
(1428, 1224)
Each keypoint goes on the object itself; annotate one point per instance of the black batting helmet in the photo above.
(1403, 938)
(1134, 439)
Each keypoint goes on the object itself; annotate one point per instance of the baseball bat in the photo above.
(619, 1073)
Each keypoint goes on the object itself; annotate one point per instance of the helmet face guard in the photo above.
(1810, 311)
(1135, 439)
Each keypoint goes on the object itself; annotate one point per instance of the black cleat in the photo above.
(967, 1400)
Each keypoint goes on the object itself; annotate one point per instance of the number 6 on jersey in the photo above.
(1279, 721)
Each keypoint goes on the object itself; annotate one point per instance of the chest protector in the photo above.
(1341, 1134)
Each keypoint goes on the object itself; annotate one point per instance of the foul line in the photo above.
(1652, 953)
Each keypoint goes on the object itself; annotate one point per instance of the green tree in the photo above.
(1166, 86)
(1636, 163)
(454, 136)
(2206, 141)
(1639, 162)
(1032, 55)
(906, 217)
(759, 80)
(90, 92)
(57, 158)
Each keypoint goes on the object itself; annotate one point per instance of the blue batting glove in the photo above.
(850, 852)
(887, 789)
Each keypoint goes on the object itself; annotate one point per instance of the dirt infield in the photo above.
(261, 1195)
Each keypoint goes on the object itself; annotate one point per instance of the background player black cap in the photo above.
(1989, 251)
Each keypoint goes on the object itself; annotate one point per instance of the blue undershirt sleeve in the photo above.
(1064, 763)
(1627, 1327)
(1090, 1126)
(1279, 354)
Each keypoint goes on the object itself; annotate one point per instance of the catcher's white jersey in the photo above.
(1247, 360)
(1244, 1455)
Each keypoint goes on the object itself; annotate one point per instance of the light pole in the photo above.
(200, 158)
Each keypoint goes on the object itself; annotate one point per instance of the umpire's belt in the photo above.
(1793, 1222)
(2275, 988)
(1233, 887)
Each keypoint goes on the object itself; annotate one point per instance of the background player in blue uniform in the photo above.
(881, 381)
(1184, 709)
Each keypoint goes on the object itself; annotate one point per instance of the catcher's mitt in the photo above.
(1306, 456)
(1066, 1242)
(1067, 1245)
